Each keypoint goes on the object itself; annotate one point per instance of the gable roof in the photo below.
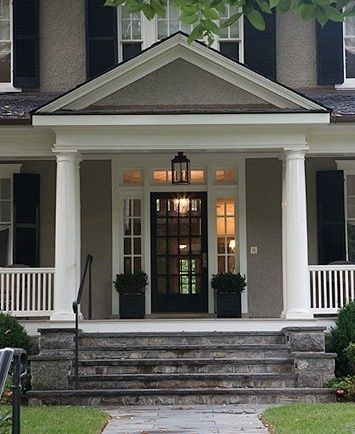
(274, 95)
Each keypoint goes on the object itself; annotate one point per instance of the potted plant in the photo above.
(229, 287)
(131, 289)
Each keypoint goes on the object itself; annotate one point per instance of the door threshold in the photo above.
(180, 315)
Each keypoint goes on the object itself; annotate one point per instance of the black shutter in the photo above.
(330, 57)
(101, 38)
(260, 47)
(26, 219)
(331, 216)
(26, 43)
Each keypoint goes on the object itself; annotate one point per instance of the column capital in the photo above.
(68, 155)
(290, 153)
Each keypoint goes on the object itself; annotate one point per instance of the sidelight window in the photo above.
(226, 235)
(132, 235)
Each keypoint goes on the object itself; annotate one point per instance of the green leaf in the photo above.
(114, 3)
(188, 18)
(273, 3)
(210, 14)
(211, 26)
(308, 11)
(333, 14)
(321, 17)
(283, 6)
(264, 6)
(231, 20)
(196, 33)
(256, 19)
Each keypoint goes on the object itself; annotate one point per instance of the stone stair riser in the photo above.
(191, 384)
(180, 340)
(107, 369)
(186, 353)
(191, 399)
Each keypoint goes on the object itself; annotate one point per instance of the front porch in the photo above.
(244, 222)
(91, 175)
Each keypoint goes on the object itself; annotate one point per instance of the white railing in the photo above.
(26, 292)
(331, 287)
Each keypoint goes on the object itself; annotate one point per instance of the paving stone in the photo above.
(209, 419)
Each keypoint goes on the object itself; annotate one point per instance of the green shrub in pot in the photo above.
(229, 287)
(131, 288)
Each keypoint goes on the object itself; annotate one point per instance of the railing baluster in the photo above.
(331, 289)
(347, 295)
(319, 275)
(352, 295)
(2, 291)
(313, 274)
(341, 282)
(7, 293)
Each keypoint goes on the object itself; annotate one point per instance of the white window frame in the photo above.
(9, 87)
(149, 35)
(6, 172)
(348, 167)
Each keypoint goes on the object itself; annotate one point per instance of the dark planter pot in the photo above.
(132, 306)
(229, 305)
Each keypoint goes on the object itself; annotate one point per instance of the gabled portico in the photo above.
(260, 119)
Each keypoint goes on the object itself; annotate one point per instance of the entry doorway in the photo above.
(179, 252)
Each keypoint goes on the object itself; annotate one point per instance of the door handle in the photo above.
(204, 260)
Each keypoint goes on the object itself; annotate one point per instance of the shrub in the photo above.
(350, 355)
(12, 334)
(342, 335)
(344, 388)
(5, 421)
(131, 283)
(228, 282)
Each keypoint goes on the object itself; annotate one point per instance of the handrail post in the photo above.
(76, 305)
(90, 290)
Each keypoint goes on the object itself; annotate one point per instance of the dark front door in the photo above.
(179, 252)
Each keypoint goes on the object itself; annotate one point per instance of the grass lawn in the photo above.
(60, 420)
(338, 418)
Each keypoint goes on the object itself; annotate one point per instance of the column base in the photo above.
(297, 314)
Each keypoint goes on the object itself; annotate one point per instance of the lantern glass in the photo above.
(180, 169)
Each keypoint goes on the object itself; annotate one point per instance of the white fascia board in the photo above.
(164, 53)
(180, 119)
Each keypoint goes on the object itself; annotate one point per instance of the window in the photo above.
(225, 176)
(6, 212)
(349, 47)
(136, 32)
(132, 177)
(162, 176)
(130, 34)
(5, 42)
(226, 235)
(132, 235)
(350, 216)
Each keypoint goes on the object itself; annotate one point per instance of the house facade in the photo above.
(96, 102)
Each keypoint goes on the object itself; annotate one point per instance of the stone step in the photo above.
(180, 396)
(186, 351)
(185, 365)
(184, 338)
(190, 381)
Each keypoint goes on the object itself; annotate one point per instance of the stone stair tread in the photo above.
(184, 376)
(172, 347)
(181, 334)
(181, 360)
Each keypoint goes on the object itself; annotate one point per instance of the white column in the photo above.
(295, 243)
(66, 235)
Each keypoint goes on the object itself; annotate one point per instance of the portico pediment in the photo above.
(174, 76)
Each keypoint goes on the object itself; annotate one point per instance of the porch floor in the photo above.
(156, 325)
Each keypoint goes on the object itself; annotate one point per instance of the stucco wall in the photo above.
(296, 51)
(264, 230)
(47, 172)
(62, 44)
(96, 232)
(312, 166)
(180, 82)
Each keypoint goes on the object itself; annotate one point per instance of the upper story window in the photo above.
(136, 32)
(349, 48)
(5, 42)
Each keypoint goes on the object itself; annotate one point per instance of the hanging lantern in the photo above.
(180, 169)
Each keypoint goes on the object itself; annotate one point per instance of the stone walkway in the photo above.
(229, 419)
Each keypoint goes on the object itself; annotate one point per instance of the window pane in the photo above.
(5, 192)
(221, 245)
(5, 43)
(351, 185)
(134, 177)
(4, 246)
(127, 246)
(221, 264)
(137, 207)
(230, 207)
(5, 213)
(221, 227)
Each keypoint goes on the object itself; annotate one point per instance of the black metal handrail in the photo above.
(76, 305)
